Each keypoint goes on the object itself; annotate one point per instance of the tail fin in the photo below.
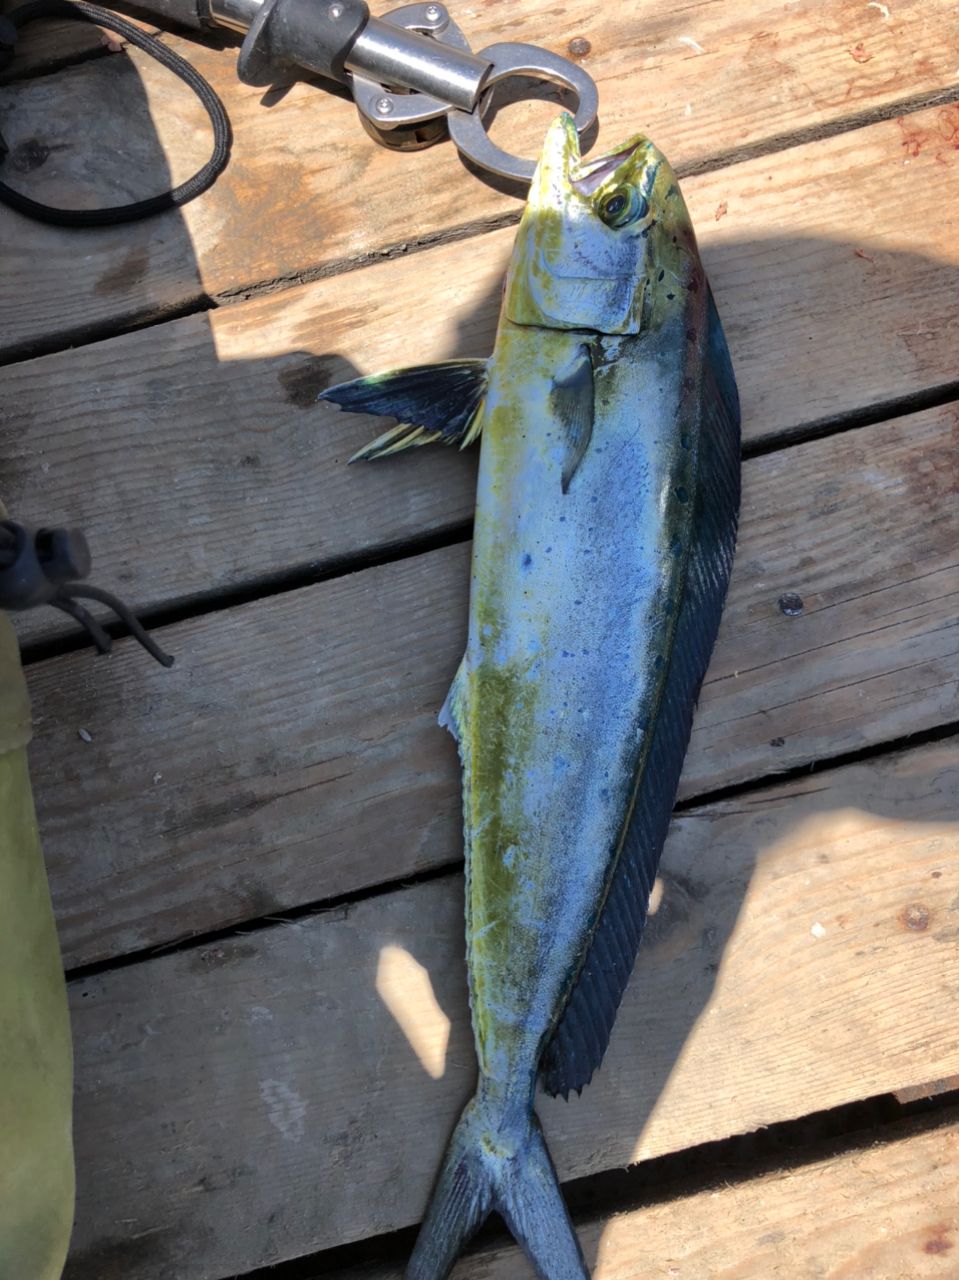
(494, 1163)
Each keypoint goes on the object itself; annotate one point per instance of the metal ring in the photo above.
(467, 130)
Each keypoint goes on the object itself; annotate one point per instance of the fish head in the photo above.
(605, 244)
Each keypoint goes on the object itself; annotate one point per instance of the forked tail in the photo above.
(497, 1159)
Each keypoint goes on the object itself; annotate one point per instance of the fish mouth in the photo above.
(594, 172)
(563, 178)
(569, 270)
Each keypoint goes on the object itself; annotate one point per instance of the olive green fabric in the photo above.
(36, 1069)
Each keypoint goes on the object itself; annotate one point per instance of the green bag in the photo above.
(36, 1067)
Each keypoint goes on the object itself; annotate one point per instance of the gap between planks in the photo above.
(311, 715)
(344, 1041)
(247, 291)
(209, 424)
(296, 577)
(804, 72)
(752, 1215)
(324, 906)
(48, 46)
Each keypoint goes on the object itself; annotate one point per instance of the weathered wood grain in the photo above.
(287, 1090)
(307, 189)
(871, 1214)
(292, 755)
(46, 44)
(195, 457)
(50, 43)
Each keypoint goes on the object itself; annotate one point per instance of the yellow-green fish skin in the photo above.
(573, 601)
(605, 524)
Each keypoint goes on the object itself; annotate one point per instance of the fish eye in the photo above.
(623, 205)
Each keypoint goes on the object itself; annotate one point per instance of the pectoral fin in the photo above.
(432, 402)
(572, 399)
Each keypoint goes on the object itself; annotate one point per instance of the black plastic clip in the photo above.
(8, 40)
(44, 566)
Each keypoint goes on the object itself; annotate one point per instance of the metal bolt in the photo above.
(791, 604)
(336, 11)
(433, 12)
(384, 106)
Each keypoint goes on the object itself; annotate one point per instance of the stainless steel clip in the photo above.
(413, 75)
(452, 85)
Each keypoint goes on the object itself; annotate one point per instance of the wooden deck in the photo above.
(255, 856)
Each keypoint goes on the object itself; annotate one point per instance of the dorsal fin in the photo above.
(579, 1041)
(431, 401)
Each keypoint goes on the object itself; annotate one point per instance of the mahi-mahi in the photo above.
(605, 526)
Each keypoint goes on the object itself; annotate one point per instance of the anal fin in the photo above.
(453, 711)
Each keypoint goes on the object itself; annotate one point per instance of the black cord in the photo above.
(123, 612)
(67, 605)
(186, 191)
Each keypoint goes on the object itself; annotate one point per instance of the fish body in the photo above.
(606, 512)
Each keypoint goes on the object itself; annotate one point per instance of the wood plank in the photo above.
(872, 1213)
(293, 754)
(48, 44)
(307, 189)
(303, 1079)
(176, 447)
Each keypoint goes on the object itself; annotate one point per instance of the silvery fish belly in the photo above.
(605, 527)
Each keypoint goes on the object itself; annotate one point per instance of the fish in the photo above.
(606, 514)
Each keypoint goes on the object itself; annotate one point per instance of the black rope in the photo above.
(186, 191)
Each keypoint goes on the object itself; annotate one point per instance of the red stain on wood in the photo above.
(861, 253)
(912, 136)
(722, 210)
(859, 52)
(938, 1240)
(947, 122)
